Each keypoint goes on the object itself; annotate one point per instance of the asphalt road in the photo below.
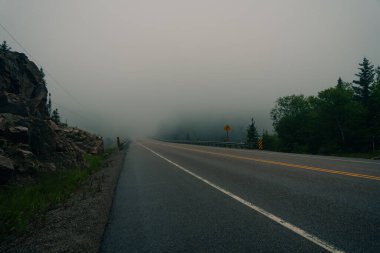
(185, 198)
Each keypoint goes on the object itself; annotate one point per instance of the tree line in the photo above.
(342, 119)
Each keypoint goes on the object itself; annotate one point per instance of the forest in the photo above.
(342, 119)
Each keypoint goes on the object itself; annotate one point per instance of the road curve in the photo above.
(186, 198)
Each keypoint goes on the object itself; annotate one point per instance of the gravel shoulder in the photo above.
(77, 225)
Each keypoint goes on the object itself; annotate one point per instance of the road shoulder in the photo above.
(77, 225)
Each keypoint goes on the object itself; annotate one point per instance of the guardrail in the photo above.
(238, 145)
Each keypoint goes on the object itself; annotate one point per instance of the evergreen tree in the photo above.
(43, 76)
(362, 86)
(4, 47)
(49, 105)
(252, 134)
(340, 83)
(55, 116)
(375, 109)
(377, 79)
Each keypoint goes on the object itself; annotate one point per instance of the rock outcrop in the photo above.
(22, 87)
(30, 142)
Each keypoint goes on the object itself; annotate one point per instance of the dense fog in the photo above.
(156, 67)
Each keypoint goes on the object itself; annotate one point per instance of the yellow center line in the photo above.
(298, 166)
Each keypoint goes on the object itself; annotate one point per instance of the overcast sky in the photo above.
(135, 64)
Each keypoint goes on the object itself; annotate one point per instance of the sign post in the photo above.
(227, 128)
(118, 143)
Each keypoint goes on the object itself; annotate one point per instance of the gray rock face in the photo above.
(29, 141)
(22, 88)
(88, 143)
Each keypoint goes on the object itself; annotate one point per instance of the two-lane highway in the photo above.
(185, 198)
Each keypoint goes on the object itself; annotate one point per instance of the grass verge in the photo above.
(20, 205)
(361, 155)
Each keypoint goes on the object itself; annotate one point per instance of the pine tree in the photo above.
(43, 76)
(377, 79)
(252, 134)
(363, 86)
(375, 109)
(4, 47)
(49, 105)
(55, 116)
(340, 83)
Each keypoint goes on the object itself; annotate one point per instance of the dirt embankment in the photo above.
(76, 225)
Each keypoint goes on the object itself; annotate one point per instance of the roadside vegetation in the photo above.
(341, 120)
(22, 204)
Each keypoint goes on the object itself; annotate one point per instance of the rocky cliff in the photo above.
(30, 142)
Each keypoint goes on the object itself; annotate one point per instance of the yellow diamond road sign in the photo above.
(227, 128)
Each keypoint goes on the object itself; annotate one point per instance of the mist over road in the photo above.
(185, 198)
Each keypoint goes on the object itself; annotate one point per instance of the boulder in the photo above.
(25, 153)
(18, 129)
(52, 125)
(19, 134)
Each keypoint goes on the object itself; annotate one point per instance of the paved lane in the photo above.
(160, 208)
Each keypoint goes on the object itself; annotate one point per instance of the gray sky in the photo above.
(136, 64)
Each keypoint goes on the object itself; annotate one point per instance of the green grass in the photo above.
(19, 205)
(360, 155)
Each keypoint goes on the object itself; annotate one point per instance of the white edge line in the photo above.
(314, 239)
